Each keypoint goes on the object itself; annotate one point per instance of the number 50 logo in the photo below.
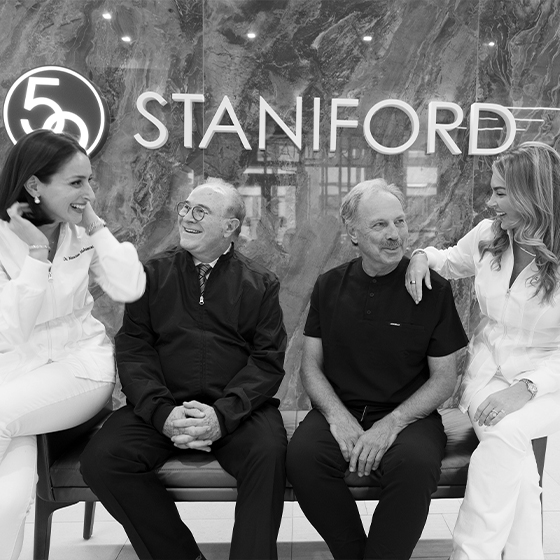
(60, 99)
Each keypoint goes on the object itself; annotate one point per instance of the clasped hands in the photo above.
(364, 449)
(193, 425)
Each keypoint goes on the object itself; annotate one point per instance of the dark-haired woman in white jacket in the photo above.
(56, 362)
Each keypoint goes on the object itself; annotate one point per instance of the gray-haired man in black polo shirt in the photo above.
(376, 366)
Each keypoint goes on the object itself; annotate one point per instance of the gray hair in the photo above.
(236, 204)
(350, 203)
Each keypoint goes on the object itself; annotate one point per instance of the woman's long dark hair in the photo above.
(41, 154)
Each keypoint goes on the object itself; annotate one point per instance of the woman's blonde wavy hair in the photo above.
(531, 173)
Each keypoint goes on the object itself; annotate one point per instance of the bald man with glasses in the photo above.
(200, 357)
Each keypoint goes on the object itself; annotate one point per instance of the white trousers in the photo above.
(500, 516)
(47, 399)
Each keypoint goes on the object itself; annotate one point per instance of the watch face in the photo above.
(531, 387)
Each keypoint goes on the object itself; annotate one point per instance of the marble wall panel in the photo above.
(419, 52)
(451, 50)
(519, 67)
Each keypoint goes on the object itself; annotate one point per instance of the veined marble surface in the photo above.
(451, 50)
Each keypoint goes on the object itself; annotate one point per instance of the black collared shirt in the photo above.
(375, 338)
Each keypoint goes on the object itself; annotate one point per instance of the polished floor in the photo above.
(211, 524)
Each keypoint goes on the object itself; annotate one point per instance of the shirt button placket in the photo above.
(371, 293)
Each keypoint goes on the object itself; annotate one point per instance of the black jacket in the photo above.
(228, 353)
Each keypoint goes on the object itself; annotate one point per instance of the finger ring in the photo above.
(413, 281)
(493, 414)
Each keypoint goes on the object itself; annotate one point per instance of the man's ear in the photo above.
(352, 234)
(232, 225)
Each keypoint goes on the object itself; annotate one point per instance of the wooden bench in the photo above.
(194, 476)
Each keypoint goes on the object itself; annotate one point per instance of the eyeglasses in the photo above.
(198, 212)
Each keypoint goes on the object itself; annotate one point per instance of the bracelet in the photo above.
(37, 247)
(93, 227)
(419, 252)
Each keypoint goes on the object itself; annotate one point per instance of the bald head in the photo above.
(234, 205)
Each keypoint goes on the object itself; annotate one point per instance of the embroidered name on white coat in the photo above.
(82, 250)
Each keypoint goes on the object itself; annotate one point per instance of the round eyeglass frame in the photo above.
(198, 212)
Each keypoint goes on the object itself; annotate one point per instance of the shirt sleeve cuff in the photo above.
(433, 257)
(103, 237)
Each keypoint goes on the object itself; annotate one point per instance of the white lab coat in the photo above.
(45, 308)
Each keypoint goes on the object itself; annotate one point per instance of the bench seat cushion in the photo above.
(193, 475)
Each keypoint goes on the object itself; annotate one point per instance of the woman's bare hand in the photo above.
(22, 227)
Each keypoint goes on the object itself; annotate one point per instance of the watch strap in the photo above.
(531, 387)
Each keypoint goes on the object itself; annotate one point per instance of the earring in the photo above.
(37, 200)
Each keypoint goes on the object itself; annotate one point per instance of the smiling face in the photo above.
(502, 204)
(208, 238)
(65, 195)
(380, 232)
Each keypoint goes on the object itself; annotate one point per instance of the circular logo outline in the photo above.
(103, 132)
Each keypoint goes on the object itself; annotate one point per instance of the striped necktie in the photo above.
(202, 272)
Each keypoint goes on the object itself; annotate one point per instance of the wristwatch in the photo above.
(531, 387)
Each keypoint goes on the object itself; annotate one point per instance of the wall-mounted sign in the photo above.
(59, 99)
(434, 127)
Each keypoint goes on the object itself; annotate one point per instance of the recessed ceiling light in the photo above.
(107, 15)
(368, 38)
(251, 35)
(491, 44)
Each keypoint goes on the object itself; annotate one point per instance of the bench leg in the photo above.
(89, 518)
(539, 448)
(43, 520)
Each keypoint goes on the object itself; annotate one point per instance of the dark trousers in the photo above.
(408, 474)
(120, 465)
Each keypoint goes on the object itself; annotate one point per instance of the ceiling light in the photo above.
(107, 15)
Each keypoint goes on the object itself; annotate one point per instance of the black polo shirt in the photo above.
(375, 338)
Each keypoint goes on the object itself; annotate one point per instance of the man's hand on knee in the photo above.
(346, 431)
(372, 445)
